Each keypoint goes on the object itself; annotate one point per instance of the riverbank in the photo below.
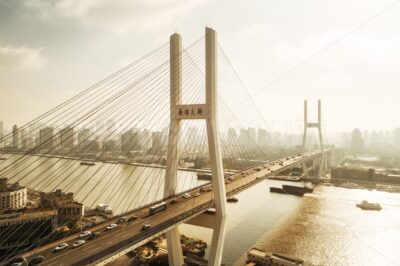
(326, 228)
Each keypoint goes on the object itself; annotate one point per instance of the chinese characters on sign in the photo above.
(193, 111)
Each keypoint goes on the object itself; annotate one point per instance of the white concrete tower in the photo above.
(207, 112)
(175, 256)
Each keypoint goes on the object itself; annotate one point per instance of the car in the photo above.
(196, 194)
(174, 201)
(94, 235)
(61, 247)
(145, 227)
(186, 195)
(203, 189)
(132, 218)
(122, 220)
(36, 260)
(17, 261)
(209, 189)
(78, 243)
(85, 234)
(111, 226)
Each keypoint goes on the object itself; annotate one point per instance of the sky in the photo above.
(344, 52)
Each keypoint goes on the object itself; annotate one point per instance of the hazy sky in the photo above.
(51, 50)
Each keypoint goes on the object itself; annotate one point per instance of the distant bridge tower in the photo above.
(308, 125)
(318, 126)
(207, 112)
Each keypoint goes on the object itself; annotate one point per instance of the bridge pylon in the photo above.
(207, 112)
(318, 126)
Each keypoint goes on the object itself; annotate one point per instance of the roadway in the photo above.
(130, 233)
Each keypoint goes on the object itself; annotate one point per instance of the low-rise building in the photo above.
(68, 210)
(12, 197)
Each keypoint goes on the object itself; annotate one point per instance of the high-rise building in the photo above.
(248, 137)
(16, 137)
(158, 142)
(67, 137)
(232, 136)
(130, 141)
(262, 137)
(83, 137)
(24, 138)
(144, 139)
(357, 142)
(46, 138)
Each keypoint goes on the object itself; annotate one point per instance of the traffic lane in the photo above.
(122, 233)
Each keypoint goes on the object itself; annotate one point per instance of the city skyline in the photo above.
(79, 38)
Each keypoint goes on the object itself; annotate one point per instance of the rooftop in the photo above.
(4, 187)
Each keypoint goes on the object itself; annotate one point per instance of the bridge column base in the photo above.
(217, 242)
(175, 256)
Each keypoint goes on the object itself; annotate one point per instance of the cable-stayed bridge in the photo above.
(175, 109)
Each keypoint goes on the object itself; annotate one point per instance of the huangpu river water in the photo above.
(324, 228)
(124, 187)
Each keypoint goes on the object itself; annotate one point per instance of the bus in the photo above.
(158, 208)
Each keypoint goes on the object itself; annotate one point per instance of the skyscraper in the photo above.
(16, 137)
(262, 137)
(83, 137)
(357, 142)
(129, 141)
(46, 138)
(67, 137)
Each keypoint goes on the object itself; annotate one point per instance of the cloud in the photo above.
(118, 16)
(21, 58)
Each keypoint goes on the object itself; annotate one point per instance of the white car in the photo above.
(78, 243)
(111, 226)
(85, 234)
(186, 196)
(196, 194)
(61, 247)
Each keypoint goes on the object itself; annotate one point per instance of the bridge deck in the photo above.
(128, 234)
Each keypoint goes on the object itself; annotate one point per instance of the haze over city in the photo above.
(343, 52)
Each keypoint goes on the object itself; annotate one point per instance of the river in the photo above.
(324, 228)
(124, 187)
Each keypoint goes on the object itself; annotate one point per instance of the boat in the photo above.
(232, 199)
(87, 163)
(295, 190)
(277, 190)
(365, 205)
(204, 176)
